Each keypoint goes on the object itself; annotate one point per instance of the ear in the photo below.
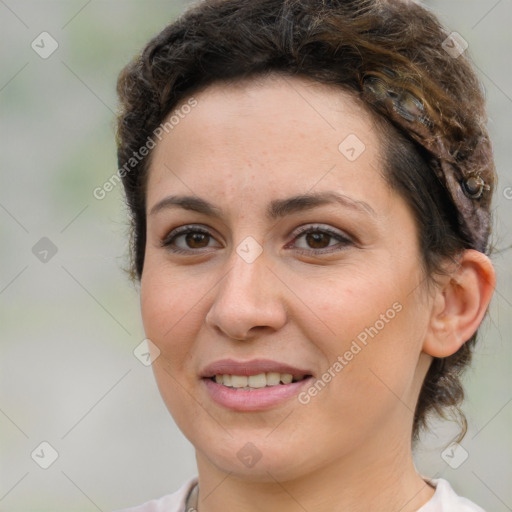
(460, 303)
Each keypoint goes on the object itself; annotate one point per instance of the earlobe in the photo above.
(460, 304)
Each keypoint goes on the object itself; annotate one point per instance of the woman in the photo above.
(310, 199)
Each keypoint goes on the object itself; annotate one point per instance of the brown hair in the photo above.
(389, 54)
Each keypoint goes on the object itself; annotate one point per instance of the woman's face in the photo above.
(300, 262)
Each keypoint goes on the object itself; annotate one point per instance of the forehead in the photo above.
(266, 135)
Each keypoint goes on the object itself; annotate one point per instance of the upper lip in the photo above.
(251, 367)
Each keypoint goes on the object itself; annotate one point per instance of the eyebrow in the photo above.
(276, 209)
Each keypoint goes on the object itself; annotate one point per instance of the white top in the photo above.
(444, 500)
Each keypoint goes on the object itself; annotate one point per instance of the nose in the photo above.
(248, 300)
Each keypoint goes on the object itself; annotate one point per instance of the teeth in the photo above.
(273, 379)
(255, 381)
(238, 381)
(286, 378)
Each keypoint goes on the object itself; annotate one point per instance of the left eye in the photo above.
(191, 238)
(316, 239)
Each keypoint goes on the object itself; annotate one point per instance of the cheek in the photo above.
(354, 305)
(171, 315)
(387, 367)
(170, 312)
(371, 332)
(165, 302)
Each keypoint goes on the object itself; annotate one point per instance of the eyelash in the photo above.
(169, 240)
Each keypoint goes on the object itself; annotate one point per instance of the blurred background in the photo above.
(69, 317)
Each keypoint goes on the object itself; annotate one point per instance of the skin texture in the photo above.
(348, 449)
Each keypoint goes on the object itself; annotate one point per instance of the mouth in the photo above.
(258, 381)
(254, 385)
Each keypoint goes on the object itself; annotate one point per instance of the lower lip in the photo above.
(255, 400)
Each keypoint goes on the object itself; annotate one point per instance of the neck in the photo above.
(366, 479)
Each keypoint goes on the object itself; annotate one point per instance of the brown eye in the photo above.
(188, 239)
(318, 240)
(197, 240)
(315, 239)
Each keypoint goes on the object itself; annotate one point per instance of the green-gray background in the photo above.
(69, 325)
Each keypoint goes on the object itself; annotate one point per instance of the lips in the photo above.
(252, 367)
(255, 385)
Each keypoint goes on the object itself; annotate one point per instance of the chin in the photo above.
(258, 460)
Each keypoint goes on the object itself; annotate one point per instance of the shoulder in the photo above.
(446, 500)
(174, 502)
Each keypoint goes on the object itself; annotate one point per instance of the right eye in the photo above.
(188, 239)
